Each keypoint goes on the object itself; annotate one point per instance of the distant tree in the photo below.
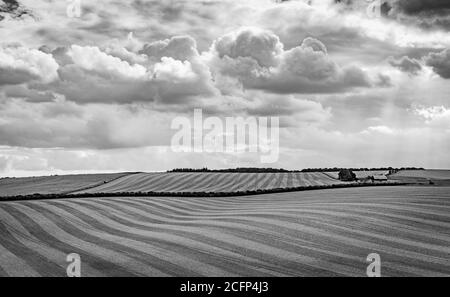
(346, 175)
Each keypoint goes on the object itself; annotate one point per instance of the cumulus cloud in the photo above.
(91, 74)
(19, 64)
(320, 67)
(260, 45)
(406, 64)
(258, 60)
(437, 117)
(91, 58)
(172, 70)
(178, 47)
(440, 62)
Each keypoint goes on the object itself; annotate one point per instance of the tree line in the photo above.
(274, 170)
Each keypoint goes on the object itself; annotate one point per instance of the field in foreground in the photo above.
(317, 233)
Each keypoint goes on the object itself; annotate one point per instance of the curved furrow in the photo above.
(242, 182)
(320, 233)
(277, 215)
(324, 214)
(259, 246)
(151, 183)
(170, 245)
(183, 183)
(206, 183)
(12, 262)
(268, 183)
(115, 183)
(52, 255)
(228, 180)
(192, 181)
(52, 229)
(144, 182)
(406, 261)
(337, 213)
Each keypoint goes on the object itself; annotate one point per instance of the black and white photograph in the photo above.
(246, 141)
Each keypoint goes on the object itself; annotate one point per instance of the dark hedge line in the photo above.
(196, 194)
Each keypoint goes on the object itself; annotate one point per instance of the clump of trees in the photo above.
(346, 175)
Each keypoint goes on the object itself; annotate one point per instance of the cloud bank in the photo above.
(100, 91)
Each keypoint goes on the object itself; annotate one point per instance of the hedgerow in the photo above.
(38, 196)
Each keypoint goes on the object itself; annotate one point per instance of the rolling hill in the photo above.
(54, 184)
(211, 182)
(163, 182)
(312, 233)
(437, 177)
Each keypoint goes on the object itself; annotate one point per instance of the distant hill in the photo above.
(434, 177)
(54, 184)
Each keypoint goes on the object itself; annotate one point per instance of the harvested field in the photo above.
(437, 177)
(430, 174)
(359, 174)
(54, 184)
(211, 182)
(317, 233)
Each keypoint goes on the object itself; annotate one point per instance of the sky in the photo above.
(98, 92)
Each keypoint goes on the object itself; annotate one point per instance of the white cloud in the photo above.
(114, 74)
(178, 47)
(379, 129)
(91, 58)
(104, 96)
(19, 64)
(170, 69)
(261, 45)
(256, 58)
(435, 116)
